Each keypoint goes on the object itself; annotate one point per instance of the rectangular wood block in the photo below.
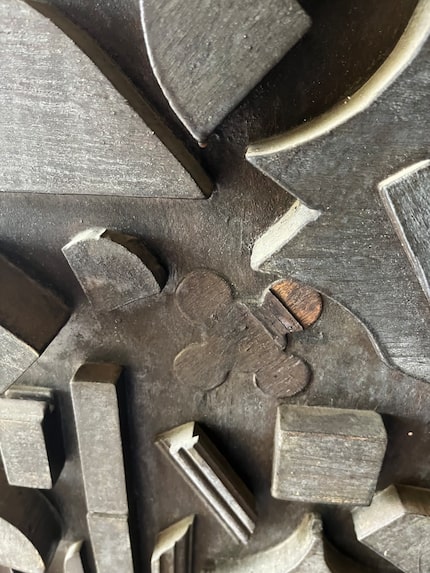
(327, 455)
(23, 447)
(111, 543)
(95, 404)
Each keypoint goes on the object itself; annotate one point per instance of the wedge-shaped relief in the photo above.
(72, 123)
(338, 236)
(67, 558)
(397, 527)
(113, 269)
(317, 450)
(406, 197)
(173, 552)
(30, 438)
(29, 529)
(202, 80)
(212, 478)
(305, 551)
(30, 317)
(237, 336)
(95, 404)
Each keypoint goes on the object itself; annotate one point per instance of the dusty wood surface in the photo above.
(327, 455)
(187, 42)
(234, 338)
(113, 269)
(63, 135)
(352, 252)
(406, 197)
(397, 527)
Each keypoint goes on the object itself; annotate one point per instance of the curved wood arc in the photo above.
(405, 51)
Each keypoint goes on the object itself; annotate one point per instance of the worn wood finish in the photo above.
(397, 527)
(304, 303)
(30, 317)
(113, 269)
(173, 552)
(305, 551)
(95, 404)
(67, 558)
(334, 165)
(211, 477)
(235, 338)
(30, 529)
(71, 123)
(406, 197)
(28, 441)
(327, 455)
(187, 41)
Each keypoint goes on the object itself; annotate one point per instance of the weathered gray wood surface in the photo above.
(67, 558)
(173, 552)
(406, 197)
(95, 404)
(334, 166)
(23, 443)
(212, 478)
(234, 338)
(30, 529)
(305, 551)
(397, 527)
(113, 269)
(207, 56)
(327, 455)
(65, 129)
(30, 317)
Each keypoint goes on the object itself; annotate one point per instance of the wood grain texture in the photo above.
(212, 478)
(66, 129)
(23, 443)
(327, 455)
(397, 527)
(406, 197)
(113, 269)
(236, 338)
(304, 303)
(305, 551)
(187, 42)
(30, 317)
(173, 552)
(334, 166)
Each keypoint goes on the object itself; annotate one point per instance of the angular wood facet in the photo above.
(327, 455)
(187, 41)
(30, 317)
(62, 134)
(212, 478)
(406, 197)
(113, 269)
(30, 439)
(338, 236)
(173, 552)
(397, 527)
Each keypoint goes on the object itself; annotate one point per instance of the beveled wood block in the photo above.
(327, 455)
(397, 527)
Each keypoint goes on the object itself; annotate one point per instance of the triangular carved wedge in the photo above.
(342, 236)
(72, 123)
(208, 57)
